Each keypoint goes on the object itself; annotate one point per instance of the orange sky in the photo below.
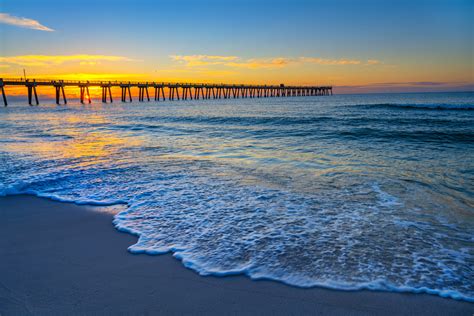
(347, 75)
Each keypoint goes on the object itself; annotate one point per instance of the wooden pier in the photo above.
(188, 90)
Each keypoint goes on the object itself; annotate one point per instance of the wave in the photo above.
(191, 259)
(241, 120)
(301, 282)
(422, 136)
(422, 106)
(20, 189)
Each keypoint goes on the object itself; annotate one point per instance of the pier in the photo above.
(178, 91)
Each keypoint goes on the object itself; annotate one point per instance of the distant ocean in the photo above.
(345, 192)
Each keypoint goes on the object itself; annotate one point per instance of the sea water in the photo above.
(346, 191)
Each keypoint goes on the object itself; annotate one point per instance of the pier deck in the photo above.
(188, 90)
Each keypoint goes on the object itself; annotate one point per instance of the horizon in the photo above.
(16, 94)
(362, 48)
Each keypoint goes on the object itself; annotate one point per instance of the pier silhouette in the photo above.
(188, 90)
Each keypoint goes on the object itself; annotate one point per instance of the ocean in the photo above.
(346, 192)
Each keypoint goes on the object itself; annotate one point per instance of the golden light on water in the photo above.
(68, 140)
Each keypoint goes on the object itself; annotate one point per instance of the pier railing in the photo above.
(201, 90)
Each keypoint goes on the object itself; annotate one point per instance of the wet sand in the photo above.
(60, 258)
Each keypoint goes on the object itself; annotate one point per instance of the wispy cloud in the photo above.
(268, 63)
(278, 62)
(202, 60)
(230, 61)
(415, 83)
(95, 76)
(330, 62)
(408, 86)
(23, 22)
(54, 60)
(188, 58)
(373, 62)
(202, 71)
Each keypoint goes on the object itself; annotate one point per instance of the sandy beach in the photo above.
(60, 258)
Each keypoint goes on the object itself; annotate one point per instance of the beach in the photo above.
(61, 258)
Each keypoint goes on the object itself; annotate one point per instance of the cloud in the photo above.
(94, 76)
(408, 86)
(325, 61)
(202, 60)
(338, 62)
(256, 63)
(261, 63)
(197, 71)
(373, 62)
(89, 63)
(190, 58)
(54, 60)
(229, 61)
(414, 83)
(23, 22)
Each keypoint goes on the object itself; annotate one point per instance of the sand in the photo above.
(60, 258)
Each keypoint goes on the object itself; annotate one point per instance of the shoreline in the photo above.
(62, 257)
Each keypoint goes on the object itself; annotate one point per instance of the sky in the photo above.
(355, 46)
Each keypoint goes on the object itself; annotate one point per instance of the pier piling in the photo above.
(5, 103)
(159, 89)
(201, 91)
(142, 90)
(59, 88)
(31, 87)
(84, 89)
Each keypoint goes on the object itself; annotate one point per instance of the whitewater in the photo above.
(346, 192)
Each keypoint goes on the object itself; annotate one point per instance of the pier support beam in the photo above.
(106, 90)
(198, 92)
(32, 89)
(4, 96)
(126, 90)
(159, 90)
(208, 92)
(218, 94)
(173, 90)
(84, 88)
(59, 87)
(186, 91)
(142, 89)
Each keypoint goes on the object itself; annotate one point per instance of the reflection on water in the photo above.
(67, 136)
